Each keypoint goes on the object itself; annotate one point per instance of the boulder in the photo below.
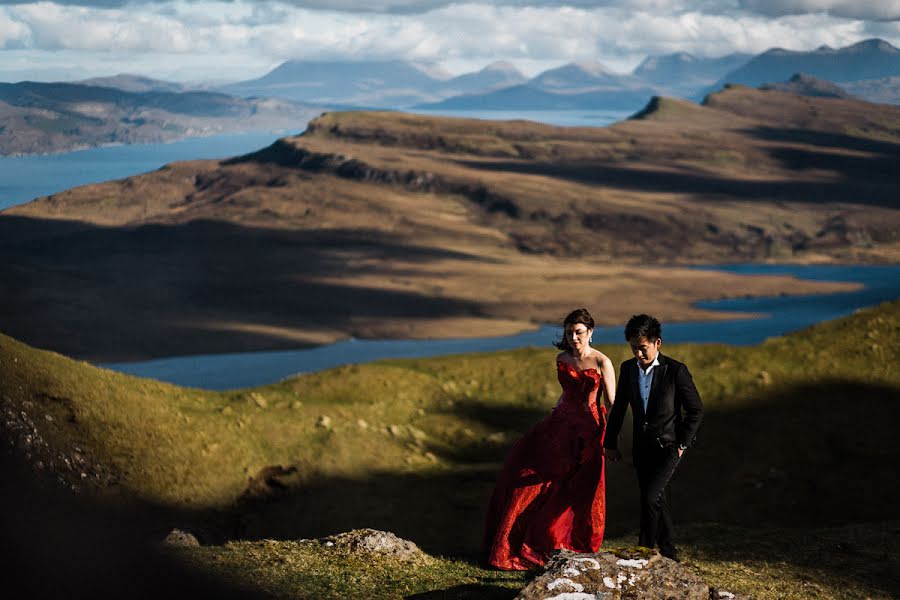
(373, 541)
(636, 573)
(178, 537)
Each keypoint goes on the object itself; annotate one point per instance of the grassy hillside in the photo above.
(795, 465)
(389, 225)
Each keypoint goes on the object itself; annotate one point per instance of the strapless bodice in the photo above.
(581, 387)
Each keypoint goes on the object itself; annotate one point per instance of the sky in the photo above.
(231, 40)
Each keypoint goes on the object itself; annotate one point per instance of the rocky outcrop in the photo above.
(630, 574)
(373, 541)
(284, 153)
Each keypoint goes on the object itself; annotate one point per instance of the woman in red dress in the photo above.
(551, 493)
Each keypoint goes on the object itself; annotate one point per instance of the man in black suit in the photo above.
(666, 410)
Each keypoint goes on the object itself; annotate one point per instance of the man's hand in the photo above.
(680, 452)
(612, 454)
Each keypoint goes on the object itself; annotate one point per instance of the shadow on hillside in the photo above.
(866, 180)
(61, 546)
(824, 139)
(810, 456)
(121, 293)
(807, 456)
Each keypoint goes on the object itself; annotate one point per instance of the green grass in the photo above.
(306, 569)
(786, 494)
(850, 562)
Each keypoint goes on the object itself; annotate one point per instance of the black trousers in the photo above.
(655, 466)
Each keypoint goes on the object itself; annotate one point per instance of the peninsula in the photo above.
(379, 224)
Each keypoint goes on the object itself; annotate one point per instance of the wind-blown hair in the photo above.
(576, 317)
(643, 326)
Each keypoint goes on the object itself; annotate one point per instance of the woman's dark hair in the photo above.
(576, 317)
(643, 326)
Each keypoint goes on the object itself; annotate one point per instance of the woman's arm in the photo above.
(609, 381)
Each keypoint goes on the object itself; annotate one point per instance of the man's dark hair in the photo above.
(643, 326)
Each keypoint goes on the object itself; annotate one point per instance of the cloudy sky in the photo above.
(190, 40)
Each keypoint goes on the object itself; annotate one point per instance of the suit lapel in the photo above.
(638, 404)
(659, 374)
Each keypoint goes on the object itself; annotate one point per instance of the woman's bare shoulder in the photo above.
(602, 359)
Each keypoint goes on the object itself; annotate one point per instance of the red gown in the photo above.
(551, 491)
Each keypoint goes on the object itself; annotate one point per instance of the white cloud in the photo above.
(708, 35)
(863, 9)
(54, 27)
(885, 10)
(13, 33)
(244, 38)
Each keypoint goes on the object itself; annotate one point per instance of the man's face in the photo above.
(644, 350)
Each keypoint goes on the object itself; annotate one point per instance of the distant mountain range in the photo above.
(134, 83)
(393, 83)
(868, 60)
(569, 87)
(528, 97)
(130, 108)
(402, 84)
(57, 117)
(683, 74)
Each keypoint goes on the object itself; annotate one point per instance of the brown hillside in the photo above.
(398, 225)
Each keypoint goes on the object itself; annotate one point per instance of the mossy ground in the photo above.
(291, 569)
(786, 495)
(858, 561)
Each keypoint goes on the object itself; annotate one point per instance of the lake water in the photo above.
(782, 314)
(25, 178)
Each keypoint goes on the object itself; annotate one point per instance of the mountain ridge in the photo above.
(133, 83)
(869, 59)
(387, 225)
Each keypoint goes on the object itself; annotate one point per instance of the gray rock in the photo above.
(374, 541)
(633, 574)
(177, 537)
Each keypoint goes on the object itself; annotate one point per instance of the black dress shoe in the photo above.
(671, 555)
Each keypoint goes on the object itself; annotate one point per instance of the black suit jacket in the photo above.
(674, 410)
